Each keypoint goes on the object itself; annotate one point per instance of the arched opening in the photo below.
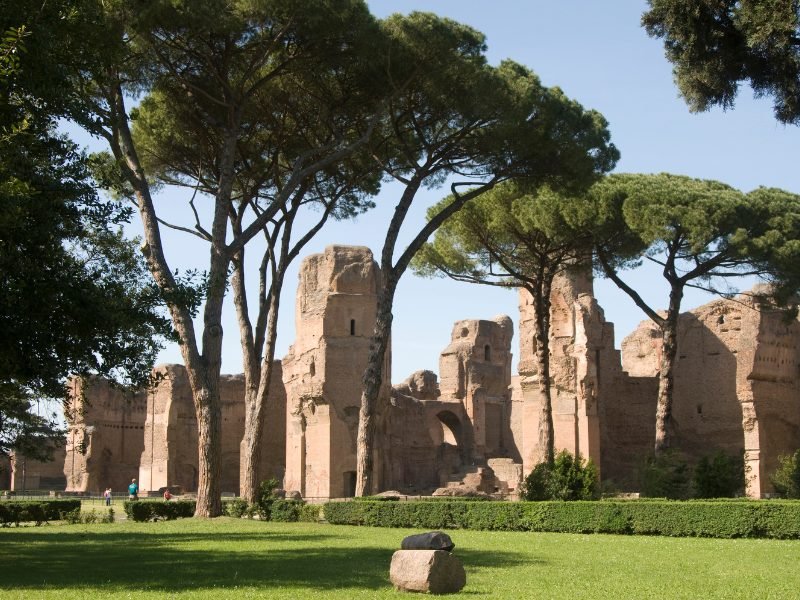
(352, 326)
(487, 352)
(451, 428)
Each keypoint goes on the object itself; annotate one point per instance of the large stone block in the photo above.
(433, 571)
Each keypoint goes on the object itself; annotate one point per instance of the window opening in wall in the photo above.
(352, 326)
(312, 369)
(487, 352)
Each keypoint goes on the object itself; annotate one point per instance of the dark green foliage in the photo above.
(719, 476)
(286, 511)
(716, 46)
(721, 519)
(38, 511)
(266, 498)
(154, 510)
(568, 478)
(786, 478)
(666, 476)
(236, 508)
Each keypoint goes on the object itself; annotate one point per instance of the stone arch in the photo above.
(452, 430)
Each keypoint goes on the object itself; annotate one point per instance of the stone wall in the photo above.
(170, 457)
(29, 474)
(580, 342)
(335, 317)
(105, 429)
(737, 385)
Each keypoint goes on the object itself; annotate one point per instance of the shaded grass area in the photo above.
(229, 558)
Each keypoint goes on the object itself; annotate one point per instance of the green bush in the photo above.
(695, 518)
(310, 513)
(666, 476)
(786, 478)
(36, 511)
(286, 511)
(568, 478)
(265, 498)
(153, 510)
(237, 508)
(719, 476)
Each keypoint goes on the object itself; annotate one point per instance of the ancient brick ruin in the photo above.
(475, 429)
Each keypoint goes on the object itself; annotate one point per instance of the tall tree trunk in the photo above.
(372, 382)
(256, 404)
(666, 374)
(541, 298)
(202, 380)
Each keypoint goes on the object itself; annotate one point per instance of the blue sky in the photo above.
(598, 54)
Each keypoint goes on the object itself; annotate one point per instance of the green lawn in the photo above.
(228, 558)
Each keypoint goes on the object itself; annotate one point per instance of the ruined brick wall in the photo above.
(578, 337)
(335, 317)
(105, 436)
(169, 457)
(28, 474)
(475, 370)
(736, 384)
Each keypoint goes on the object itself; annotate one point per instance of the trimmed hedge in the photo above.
(752, 519)
(38, 511)
(310, 513)
(151, 510)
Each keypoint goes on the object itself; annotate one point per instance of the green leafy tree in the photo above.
(567, 477)
(786, 478)
(453, 116)
(716, 44)
(219, 63)
(291, 115)
(509, 237)
(701, 234)
(75, 296)
(719, 476)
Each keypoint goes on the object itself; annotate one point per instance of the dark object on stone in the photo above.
(432, 540)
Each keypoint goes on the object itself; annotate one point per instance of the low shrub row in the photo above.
(36, 511)
(754, 519)
(151, 510)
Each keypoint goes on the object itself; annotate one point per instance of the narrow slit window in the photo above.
(352, 326)
(487, 352)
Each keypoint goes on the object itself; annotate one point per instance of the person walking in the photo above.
(107, 496)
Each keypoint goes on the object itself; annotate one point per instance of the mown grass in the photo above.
(233, 558)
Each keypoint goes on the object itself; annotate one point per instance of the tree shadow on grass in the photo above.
(175, 561)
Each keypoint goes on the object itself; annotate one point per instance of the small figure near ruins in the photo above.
(107, 496)
(133, 490)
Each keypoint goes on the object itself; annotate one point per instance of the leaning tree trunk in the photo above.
(541, 298)
(372, 381)
(202, 369)
(666, 374)
(254, 415)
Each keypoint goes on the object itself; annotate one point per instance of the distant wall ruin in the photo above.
(476, 428)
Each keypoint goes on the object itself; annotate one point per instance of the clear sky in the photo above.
(598, 53)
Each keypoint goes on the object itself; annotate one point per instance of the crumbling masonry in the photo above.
(475, 430)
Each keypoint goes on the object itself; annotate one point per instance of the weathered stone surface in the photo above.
(105, 436)
(432, 571)
(335, 315)
(459, 492)
(737, 387)
(28, 474)
(431, 540)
